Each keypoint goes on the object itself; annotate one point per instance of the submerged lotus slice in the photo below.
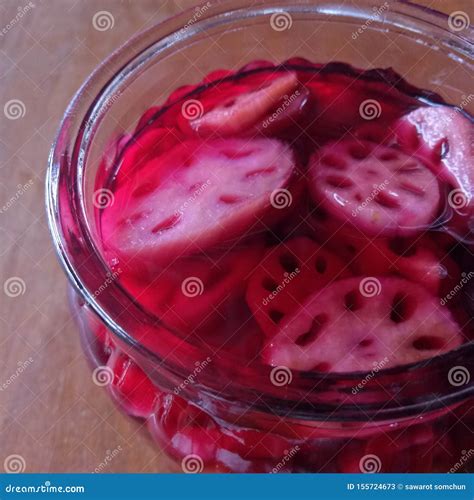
(378, 189)
(197, 195)
(243, 111)
(286, 276)
(442, 134)
(355, 323)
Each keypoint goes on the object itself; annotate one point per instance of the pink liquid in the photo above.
(295, 261)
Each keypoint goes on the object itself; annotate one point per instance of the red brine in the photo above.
(308, 217)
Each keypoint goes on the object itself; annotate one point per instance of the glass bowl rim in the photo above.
(79, 110)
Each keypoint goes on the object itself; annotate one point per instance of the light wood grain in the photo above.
(52, 414)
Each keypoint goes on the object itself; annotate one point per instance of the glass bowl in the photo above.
(214, 412)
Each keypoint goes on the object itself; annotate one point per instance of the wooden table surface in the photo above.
(51, 414)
